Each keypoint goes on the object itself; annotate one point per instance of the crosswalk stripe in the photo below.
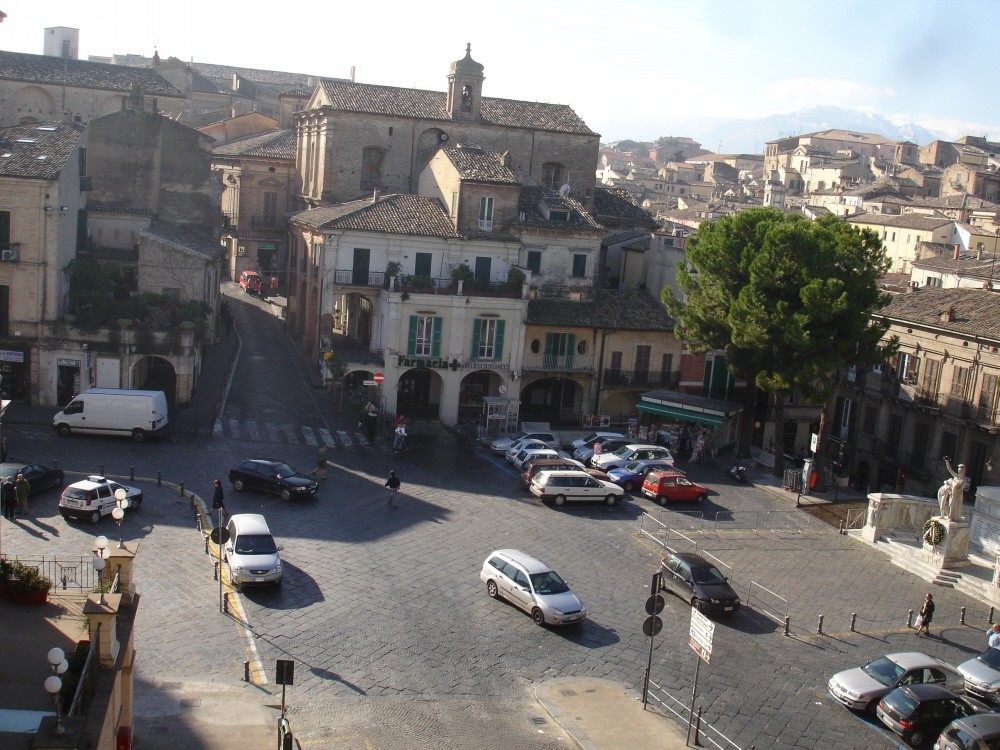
(291, 434)
(345, 438)
(328, 440)
(234, 427)
(252, 432)
(272, 432)
(362, 440)
(307, 433)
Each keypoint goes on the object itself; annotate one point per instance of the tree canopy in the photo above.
(790, 301)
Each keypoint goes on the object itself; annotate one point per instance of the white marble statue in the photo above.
(952, 492)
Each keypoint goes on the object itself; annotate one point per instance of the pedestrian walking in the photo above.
(320, 471)
(925, 616)
(218, 496)
(3, 449)
(392, 483)
(993, 636)
(8, 498)
(399, 442)
(22, 488)
(371, 420)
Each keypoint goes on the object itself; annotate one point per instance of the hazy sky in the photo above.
(630, 68)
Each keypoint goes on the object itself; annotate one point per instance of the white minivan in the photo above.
(114, 411)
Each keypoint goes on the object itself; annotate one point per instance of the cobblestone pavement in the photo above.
(395, 641)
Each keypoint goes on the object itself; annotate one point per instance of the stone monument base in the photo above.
(953, 551)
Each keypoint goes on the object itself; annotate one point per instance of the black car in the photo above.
(40, 477)
(275, 477)
(919, 712)
(694, 579)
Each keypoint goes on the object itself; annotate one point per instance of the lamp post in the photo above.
(118, 513)
(53, 684)
(100, 560)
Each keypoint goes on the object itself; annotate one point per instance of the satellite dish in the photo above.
(443, 137)
(564, 190)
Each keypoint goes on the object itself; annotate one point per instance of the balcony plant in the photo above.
(5, 577)
(28, 585)
(391, 270)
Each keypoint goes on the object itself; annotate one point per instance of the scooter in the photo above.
(738, 472)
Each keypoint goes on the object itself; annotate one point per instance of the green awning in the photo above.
(686, 415)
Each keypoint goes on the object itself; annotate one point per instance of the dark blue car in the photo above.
(630, 476)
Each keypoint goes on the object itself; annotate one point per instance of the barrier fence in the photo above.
(703, 731)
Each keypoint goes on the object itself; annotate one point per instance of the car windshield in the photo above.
(623, 452)
(884, 670)
(284, 470)
(255, 544)
(548, 582)
(590, 438)
(707, 575)
(633, 466)
(990, 657)
(900, 702)
(517, 436)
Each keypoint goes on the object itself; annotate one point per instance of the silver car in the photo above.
(533, 586)
(982, 675)
(862, 688)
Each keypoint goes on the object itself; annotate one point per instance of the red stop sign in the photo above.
(378, 378)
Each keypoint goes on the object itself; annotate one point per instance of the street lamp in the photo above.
(118, 513)
(100, 560)
(53, 684)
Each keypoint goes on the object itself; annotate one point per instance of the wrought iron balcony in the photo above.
(557, 363)
(351, 277)
(642, 378)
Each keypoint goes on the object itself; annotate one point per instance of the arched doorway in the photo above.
(357, 322)
(418, 393)
(551, 400)
(473, 388)
(155, 374)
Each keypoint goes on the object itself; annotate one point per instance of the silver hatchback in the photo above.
(533, 586)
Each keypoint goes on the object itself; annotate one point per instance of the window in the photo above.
(949, 443)
(642, 363)
(534, 262)
(422, 265)
(424, 339)
(487, 339)
(270, 217)
(559, 349)
(666, 367)
(483, 266)
(909, 365)
(959, 380)
(485, 214)
(988, 396)
(870, 420)
(934, 281)
(929, 381)
(579, 265)
(921, 437)
(552, 175)
(371, 168)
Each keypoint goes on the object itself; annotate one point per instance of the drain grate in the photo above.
(538, 720)
(190, 702)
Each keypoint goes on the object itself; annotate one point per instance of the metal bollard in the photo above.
(215, 571)
(225, 604)
(101, 472)
(206, 544)
(182, 489)
(819, 625)
(787, 620)
(697, 725)
(961, 619)
(159, 479)
(990, 620)
(854, 619)
(55, 463)
(909, 618)
(131, 473)
(843, 527)
(246, 671)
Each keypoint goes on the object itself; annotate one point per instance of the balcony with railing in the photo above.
(642, 378)
(249, 225)
(349, 277)
(557, 363)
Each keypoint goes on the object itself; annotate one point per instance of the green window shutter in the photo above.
(436, 338)
(548, 343)
(475, 339)
(498, 344)
(570, 350)
(411, 342)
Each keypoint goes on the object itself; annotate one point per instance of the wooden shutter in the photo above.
(411, 341)
(475, 339)
(498, 341)
(436, 338)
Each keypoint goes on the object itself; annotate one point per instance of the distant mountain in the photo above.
(749, 136)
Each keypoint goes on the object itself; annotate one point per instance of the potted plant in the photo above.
(29, 586)
(5, 576)
(391, 270)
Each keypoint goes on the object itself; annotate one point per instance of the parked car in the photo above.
(95, 497)
(251, 552)
(608, 444)
(502, 445)
(861, 688)
(671, 486)
(695, 580)
(525, 456)
(275, 477)
(919, 712)
(533, 586)
(560, 486)
(630, 452)
(982, 675)
(631, 476)
(252, 283)
(526, 445)
(592, 438)
(976, 732)
(40, 477)
(531, 468)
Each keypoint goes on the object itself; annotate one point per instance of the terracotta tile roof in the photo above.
(618, 205)
(579, 217)
(274, 144)
(976, 311)
(477, 165)
(38, 150)
(430, 105)
(206, 247)
(906, 221)
(390, 214)
(621, 309)
(83, 74)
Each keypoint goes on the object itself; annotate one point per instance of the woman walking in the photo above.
(925, 616)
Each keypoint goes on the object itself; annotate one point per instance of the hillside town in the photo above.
(491, 260)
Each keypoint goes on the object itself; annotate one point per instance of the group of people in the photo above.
(14, 494)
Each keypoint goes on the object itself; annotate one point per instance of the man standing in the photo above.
(22, 488)
(392, 483)
(8, 499)
(218, 496)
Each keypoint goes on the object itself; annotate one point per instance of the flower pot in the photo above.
(34, 596)
(5, 590)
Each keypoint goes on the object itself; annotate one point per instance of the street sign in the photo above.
(700, 635)
(285, 672)
(654, 605)
(652, 625)
(368, 382)
(378, 378)
(219, 535)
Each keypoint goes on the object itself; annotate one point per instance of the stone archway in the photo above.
(473, 388)
(418, 393)
(551, 400)
(156, 374)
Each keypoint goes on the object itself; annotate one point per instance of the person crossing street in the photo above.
(392, 483)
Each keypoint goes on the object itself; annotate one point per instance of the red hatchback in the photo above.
(670, 486)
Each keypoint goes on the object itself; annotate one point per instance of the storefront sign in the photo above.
(60, 362)
(8, 355)
(479, 364)
(426, 364)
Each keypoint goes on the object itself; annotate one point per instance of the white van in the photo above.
(114, 411)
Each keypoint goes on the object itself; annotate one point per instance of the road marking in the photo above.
(217, 430)
(362, 440)
(290, 434)
(252, 431)
(328, 440)
(234, 428)
(307, 433)
(345, 439)
(272, 432)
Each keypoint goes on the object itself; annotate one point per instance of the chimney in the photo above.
(376, 195)
(979, 254)
(958, 249)
(505, 159)
(948, 315)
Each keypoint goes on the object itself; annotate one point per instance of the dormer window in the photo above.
(559, 215)
(553, 175)
(466, 98)
(486, 214)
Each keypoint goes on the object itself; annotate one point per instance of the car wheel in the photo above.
(916, 738)
(701, 498)
(695, 603)
(627, 486)
(537, 616)
(286, 494)
(492, 590)
(138, 436)
(135, 503)
(64, 430)
(238, 485)
(870, 708)
(661, 500)
(95, 517)
(559, 500)
(611, 499)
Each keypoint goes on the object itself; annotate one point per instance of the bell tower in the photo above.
(465, 88)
